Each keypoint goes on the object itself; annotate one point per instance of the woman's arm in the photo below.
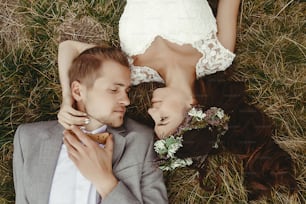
(67, 52)
(227, 22)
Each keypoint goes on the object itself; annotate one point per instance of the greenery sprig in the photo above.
(195, 119)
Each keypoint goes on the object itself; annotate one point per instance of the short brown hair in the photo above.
(86, 67)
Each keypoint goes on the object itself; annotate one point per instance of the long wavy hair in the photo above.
(266, 165)
(249, 136)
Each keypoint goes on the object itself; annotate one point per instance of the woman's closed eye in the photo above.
(163, 121)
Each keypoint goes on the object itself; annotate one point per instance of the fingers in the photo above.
(109, 145)
(82, 137)
(68, 116)
(75, 112)
(73, 154)
(64, 124)
(73, 141)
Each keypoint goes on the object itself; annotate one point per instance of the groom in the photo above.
(82, 170)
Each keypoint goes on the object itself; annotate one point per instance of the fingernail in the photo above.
(87, 121)
(85, 114)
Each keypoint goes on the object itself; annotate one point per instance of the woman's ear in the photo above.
(76, 91)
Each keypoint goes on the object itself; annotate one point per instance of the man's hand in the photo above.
(93, 161)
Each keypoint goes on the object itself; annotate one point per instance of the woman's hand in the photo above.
(68, 116)
(67, 52)
(93, 161)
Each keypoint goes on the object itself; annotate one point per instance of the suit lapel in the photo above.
(48, 156)
(49, 153)
(119, 143)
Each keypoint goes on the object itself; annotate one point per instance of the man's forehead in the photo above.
(113, 81)
(122, 84)
(116, 76)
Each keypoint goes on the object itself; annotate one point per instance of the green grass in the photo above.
(271, 53)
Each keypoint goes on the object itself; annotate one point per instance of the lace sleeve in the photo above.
(144, 74)
(215, 57)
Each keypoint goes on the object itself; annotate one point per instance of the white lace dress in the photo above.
(179, 21)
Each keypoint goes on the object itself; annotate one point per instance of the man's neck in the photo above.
(93, 123)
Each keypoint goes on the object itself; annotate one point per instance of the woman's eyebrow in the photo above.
(161, 124)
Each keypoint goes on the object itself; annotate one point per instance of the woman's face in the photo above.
(168, 110)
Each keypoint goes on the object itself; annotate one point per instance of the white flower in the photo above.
(177, 163)
(181, 163)
(220, 113)
(160, 146)
(192, 112)
(172, 149)
(188, 161)
(165, 168)
(198, 114)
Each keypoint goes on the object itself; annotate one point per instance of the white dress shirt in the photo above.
(68, 185)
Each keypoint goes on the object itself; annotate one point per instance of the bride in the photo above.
(181, 44)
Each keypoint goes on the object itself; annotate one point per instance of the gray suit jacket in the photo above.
(37, 147)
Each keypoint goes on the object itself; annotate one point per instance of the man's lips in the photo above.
(122, 111)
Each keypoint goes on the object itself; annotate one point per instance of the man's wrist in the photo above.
(106, 186)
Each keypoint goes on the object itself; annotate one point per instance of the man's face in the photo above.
(107, 99)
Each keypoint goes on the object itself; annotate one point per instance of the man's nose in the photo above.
(124, 99)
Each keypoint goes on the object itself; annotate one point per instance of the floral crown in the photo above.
(195, 119)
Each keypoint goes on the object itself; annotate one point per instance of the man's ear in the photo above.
(76, 91)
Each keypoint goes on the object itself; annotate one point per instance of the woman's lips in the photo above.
(154, 100)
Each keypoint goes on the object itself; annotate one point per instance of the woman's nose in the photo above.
(152, 112)
(156, 104)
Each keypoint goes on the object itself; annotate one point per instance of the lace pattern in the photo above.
(143, 74)
(178, 21)
(215, 58)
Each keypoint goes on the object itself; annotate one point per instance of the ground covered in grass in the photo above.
(271, 57)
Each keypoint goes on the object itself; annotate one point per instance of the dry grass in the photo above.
(271, 53)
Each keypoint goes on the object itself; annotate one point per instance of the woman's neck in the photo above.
(175, 64)
(180, 78)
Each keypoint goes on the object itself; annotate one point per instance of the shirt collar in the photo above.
(96, 131)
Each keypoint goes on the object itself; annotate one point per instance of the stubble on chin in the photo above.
(116, 123)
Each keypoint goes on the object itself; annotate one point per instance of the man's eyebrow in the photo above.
(120, 84)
